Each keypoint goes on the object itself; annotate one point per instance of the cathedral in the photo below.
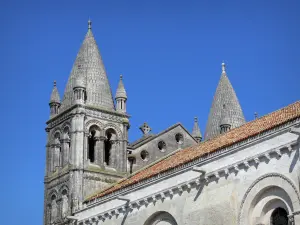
(237, 173)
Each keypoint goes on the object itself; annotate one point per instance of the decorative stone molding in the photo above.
(104, 116)
(92, 122)
(115, 128)
(281, 176)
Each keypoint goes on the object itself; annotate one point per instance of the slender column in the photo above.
(55, 156)
(65, 151)
(85, 148)
(113, 154)
(99, 150)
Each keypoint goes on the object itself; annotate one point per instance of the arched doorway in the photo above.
(279, 217)
(161, 218)
(266, 202)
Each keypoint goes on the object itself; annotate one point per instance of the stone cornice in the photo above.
(107, 111)
(282, 128)
(203, 179)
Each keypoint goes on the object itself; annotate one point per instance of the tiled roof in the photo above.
(238, 134)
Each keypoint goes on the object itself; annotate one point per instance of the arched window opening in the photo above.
(108, 144)
(279, 217)
(121, 104)
(145, 155)
(179, 138)
(162, 146)
(91, 152)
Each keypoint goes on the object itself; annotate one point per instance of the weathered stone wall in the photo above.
(154, 153)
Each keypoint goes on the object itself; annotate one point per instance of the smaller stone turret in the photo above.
(54, 101)
(79, 91)
(225, 124)
(121, 97)
(196, 133)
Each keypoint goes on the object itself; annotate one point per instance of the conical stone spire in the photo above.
(54, 95)
(89, 67)
(121, 92)
(196, 133)
(224, 96)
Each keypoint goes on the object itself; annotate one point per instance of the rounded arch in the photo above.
(94, 130)
(52, 195)
(55, 131)
(66, 124)
(66, 132)
(265, 194)
(56, 137)
(115, 128)
(92, 122)
(64, 190)
(161, 218)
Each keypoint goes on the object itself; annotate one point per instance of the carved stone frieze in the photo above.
(104, 115)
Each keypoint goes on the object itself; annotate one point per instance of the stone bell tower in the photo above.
(86, 148)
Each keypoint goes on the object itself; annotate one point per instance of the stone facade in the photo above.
(245, 176)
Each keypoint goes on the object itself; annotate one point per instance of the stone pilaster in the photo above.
(77, 157)
(65, 151)
(99, 150)
(55, 149)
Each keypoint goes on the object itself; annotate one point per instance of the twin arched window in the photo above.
(100, 145)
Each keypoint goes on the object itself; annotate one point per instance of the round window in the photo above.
(145, 155)
(162, 146)
(179, 138)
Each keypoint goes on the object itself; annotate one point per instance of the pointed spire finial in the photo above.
(54, 83)
(196, 133)
(223, 67)
(121, 77)
(89, 24)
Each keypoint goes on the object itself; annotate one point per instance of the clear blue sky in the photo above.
(170, 53)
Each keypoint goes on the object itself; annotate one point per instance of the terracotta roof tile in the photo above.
(238, 134)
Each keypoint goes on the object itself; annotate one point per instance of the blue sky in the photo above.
(170, 55)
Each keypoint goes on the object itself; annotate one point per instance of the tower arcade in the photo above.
(86, 136)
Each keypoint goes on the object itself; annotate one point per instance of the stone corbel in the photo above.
(171, 193)
(188, 186)
(246, 165)
(236, 168)
(197, 182)
(180, 190)
(267, 155)
(153, 198)
(216, 175)
(226, 171)
(162, 196)
(278, 152)
(94, 220)
(107, 215)
(256, 160)
(290, 149)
